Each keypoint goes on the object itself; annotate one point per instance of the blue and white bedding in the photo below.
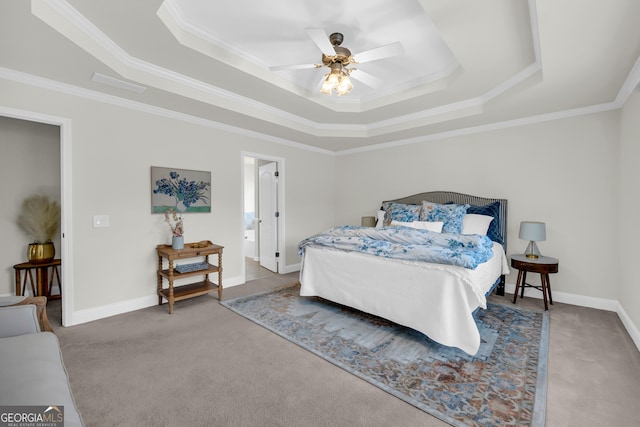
(406, 243)
(405, 271)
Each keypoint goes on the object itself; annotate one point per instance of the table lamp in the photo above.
(533, 231)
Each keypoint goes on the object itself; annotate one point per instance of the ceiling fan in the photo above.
(337, 58)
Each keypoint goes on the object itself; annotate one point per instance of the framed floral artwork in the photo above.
(182, 190)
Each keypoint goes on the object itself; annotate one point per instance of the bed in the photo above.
(436, 299)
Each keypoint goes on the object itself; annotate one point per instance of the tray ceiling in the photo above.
(466, 64)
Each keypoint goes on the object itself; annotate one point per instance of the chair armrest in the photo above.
(40, 304)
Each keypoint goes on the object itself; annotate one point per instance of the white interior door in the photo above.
(268, 208)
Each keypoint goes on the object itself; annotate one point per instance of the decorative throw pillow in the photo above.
(476, 224)
(401, 212)
(492, 209)
(451, 215)
(422, 225)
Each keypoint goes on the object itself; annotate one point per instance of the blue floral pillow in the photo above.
(450, 214)
(401, 212)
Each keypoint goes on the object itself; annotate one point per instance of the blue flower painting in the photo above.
(181, 190)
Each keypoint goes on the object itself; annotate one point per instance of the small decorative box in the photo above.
(187, 268)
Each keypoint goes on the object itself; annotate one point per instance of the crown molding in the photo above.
(114, 82)
(35, 81)
(61, 16)
(630, 84)
(40, 82)
(486, 128)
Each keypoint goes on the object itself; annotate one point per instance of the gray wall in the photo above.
(629, 210)
(29, 164)
(112, 150)
(569, 173)
(562, 172)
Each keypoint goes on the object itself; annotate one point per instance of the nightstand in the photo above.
(542, 265)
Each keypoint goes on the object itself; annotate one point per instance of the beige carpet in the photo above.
(207, 366)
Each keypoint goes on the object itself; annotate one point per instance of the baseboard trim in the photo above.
(290, 268)
(591, 302)
(573, 299)
(632, 329)
(232, 281)
(96, 313)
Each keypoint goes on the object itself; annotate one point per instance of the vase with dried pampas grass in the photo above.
(39, 218)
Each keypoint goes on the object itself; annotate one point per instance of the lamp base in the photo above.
(532, 250)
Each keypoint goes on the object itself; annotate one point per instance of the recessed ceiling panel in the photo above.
(499, 61)
(273, 33)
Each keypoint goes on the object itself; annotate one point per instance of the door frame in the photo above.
(66, 205)
(281, 204)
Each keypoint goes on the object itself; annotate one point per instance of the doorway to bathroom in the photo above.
(262, 213)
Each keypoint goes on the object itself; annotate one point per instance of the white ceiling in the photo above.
(268, 37)
(467, 65)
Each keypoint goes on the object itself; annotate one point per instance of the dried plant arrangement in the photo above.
(40, 218)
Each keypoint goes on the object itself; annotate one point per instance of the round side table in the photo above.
(542, 265)
(43, 284)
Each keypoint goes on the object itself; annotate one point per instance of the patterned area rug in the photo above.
(504, 384)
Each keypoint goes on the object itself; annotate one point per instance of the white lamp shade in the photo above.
(533, 231)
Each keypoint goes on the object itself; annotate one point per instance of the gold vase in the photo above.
(40, 253)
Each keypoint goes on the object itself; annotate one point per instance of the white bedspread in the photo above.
(435, 299)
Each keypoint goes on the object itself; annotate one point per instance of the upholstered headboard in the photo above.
(494, 207)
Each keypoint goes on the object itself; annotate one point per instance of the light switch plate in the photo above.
(100, 221)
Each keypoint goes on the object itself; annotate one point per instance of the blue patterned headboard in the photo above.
(487, 206)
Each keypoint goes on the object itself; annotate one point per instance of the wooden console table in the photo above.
(191, 250)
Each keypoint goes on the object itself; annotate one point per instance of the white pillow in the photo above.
(380, 220)
(476, 224)
(422, 225)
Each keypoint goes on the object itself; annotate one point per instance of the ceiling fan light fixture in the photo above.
(337, 79)
(337, 58)
(333, 79)
(345, 85)
(327, 87)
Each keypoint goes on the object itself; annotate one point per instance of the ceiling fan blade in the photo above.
(366, 78)
(320, 38)
(293, 67)
(381, 52)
